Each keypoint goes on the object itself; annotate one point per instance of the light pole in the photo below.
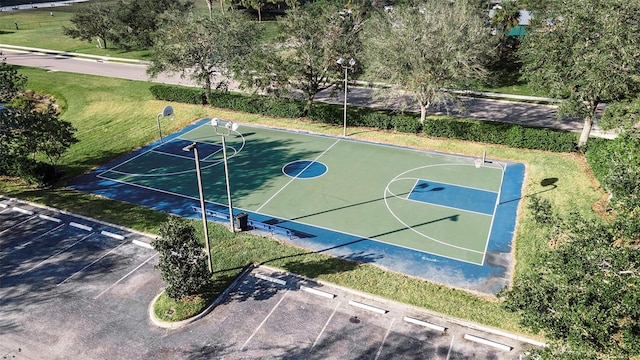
(346, 66)
(227, 128)
(189, 148)
(167, 111)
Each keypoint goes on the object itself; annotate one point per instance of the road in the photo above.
(527, 114)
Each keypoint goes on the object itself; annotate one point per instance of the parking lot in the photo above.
(72, 287)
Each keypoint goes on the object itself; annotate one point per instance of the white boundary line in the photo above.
(386, 336)
(180, 137)
(503, 167)
(126, 276)
(295, 178)
(304, 169)
(90, 264)
(325, 326)
(264, 321)
(438, 205)
(22, 246)
(399, 176)
(58, 253)
(450, 347)
(18, 224)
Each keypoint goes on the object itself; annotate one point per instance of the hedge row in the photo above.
(511, 135)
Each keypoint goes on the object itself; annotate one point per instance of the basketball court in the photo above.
(442, 217)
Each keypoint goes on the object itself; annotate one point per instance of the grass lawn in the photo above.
(114, 116)
(38, 29)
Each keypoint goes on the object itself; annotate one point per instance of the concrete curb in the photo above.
(453, 320)
(172, 325)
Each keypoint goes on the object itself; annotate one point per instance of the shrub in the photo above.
(541, 210)
(512, 135)
(183, 261)
(178, 94)
(326, 113)
(405, 124)
(376, 119)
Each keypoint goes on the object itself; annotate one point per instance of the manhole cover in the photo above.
(170, 312)
(354, 320)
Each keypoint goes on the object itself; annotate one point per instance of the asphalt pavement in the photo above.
(76, 288)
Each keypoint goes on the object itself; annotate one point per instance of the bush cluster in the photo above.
(512, 135)
(31, 171)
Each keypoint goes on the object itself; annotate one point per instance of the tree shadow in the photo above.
(549, 183)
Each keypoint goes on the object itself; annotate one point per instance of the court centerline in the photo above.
(296, 177)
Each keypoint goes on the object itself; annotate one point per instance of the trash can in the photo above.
(240, 221)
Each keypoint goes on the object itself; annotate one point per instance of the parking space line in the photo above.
(58, 253)
(384, 339)
(93, 262)
(2, 205)
(450, 347)
(16, 225)
(325, 326)
(20, 247)
(264, 321)
(126, 276)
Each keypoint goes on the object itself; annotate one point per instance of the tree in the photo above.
(584, 292)
(427, 49)
(200, 48)
(11, 83)
(621, 116)
(92, 21)
(256, 5)
(304, 61)
(136, 22)
(182, 263)
(53, 136)
(585, 52)
(506, 16)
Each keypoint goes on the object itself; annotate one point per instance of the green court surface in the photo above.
(435, 203)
